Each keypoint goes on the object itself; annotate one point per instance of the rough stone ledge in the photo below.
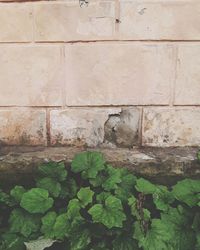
(164, 165)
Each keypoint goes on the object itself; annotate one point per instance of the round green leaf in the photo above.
(36, 200)
(85, 196)
(17, 193)
(89, 163)
(12, 242)
(187, 191)
(48, 222)
(53, 170)
(110, 214)
(51, 185)
(23, 223)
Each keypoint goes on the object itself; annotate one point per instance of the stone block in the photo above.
(16, 22)
(22, 126)
(119, 73)
(167, 127)
(159, 20)
(67, 21)
(31, 75)
(80, 126)
(187, 87)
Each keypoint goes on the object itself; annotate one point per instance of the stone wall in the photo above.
(113, 73)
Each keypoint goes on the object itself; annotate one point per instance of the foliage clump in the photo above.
(93, 206)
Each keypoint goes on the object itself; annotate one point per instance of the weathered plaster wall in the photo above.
(113, 73)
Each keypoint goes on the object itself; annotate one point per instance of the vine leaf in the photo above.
(179, 223)
(6, 199)
(145, 187)
(88, 164)
(17, 193)
(162, 198)
(156, 238)
(73, 209)
(36, 200)
(23, 223)
(124, 242)
(126, 187)
(111, 214)
(85, 196)
(68, 189)
(102, 197)
(53, 170)
(114, 178)
(80, 239)
(187, 191)
(48, 222)
(59, 226)
(53, 187)
(12, 241)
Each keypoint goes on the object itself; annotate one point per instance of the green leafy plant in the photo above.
(93, 206)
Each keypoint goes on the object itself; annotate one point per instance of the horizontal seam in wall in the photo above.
(21, 1)
(99, 41)
(102, 106)
(31, 107)
(120, 40)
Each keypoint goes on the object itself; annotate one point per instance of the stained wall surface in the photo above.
(116, 73)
